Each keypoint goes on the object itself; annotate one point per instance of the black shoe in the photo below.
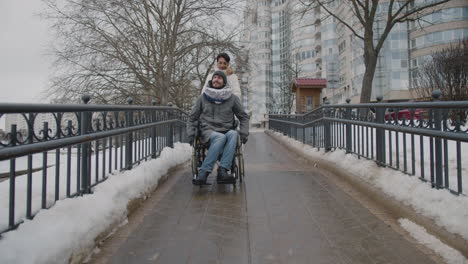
(224, 176)
(201, 177)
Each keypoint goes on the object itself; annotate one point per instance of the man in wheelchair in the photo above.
(213, 113)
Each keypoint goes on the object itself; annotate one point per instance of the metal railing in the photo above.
(425, 139)
(64, 151)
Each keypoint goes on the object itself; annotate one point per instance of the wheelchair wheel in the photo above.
(240, 161)
(235, 172)
(194, 162)
(198, 156)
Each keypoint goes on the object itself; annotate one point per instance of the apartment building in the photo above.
(256, 37)
(436, 31)
(285, 43)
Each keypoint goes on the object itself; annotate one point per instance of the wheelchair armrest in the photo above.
(198, 130)
(235, 124)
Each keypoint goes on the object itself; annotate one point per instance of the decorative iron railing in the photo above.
(53, 152)
(426, 139)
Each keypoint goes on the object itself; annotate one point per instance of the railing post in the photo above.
(380, 134)
(296, 127)
(348, 129)
(314, 142)
(85, 153)
(181, 128)
(170, 136)
(303, 130)
(327, 130)
(44, 170)
(153, 132)
(11, 214)
(438, 141)
(129, 138)
(30, 165)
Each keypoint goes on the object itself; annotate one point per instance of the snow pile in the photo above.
(447, 210)
(450, 255)
(21, 181)
(72, 224)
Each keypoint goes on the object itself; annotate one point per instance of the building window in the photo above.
(309, 103)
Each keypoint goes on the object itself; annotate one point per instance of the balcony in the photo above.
(318, 47)
(317, 10)
(317, 22)
(318, 35)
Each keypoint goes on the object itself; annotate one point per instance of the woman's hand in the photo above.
(229, 71)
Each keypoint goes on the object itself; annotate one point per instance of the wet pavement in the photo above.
(285, 212)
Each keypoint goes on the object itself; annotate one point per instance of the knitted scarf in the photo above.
(217, 96)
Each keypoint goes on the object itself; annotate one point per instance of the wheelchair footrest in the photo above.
(232, 181)
(199, 183)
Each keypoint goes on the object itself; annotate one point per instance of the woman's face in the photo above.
(222, 63)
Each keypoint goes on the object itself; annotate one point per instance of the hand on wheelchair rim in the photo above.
(191, 140)
(244, 140)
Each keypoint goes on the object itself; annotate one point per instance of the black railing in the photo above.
(426, 139)
(65, 150)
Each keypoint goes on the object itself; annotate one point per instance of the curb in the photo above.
(395, 207)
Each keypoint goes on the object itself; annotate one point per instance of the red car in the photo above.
(405, 114)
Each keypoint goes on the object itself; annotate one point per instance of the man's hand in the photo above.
(191, 140)
(244, 139)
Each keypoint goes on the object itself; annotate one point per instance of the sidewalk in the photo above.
(286, 212)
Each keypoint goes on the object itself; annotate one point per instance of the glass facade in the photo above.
(441, 16)
(279, 94)
(439, 37)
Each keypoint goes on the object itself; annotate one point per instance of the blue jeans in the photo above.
(221, 143)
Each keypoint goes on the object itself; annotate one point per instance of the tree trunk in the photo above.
(370, 60)
(165, 92)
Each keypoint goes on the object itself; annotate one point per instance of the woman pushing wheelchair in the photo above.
(213, 113)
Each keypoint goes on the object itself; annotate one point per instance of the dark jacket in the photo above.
(217, 117)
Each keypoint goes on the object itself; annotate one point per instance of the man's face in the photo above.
(222, 63)
(217, 81)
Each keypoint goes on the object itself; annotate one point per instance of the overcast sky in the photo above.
(24, 40)
(24, 68)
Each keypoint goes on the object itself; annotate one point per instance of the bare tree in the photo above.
(147, 49)
(286, 97)
(447, 71)
(365, 11)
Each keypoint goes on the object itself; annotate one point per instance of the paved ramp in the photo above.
(284, 213)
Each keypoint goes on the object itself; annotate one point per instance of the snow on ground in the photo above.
(364, 142)
(450, 255)
(419, 167)
(256, 130)
(73, 224)
(22, 162)
(37, 178)
(446, 209)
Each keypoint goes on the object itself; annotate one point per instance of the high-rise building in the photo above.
(257, 38)
(285, 43)
(435, 31)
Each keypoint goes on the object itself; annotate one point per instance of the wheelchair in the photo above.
(237, 166)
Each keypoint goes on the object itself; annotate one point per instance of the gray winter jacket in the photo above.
(217, 117)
